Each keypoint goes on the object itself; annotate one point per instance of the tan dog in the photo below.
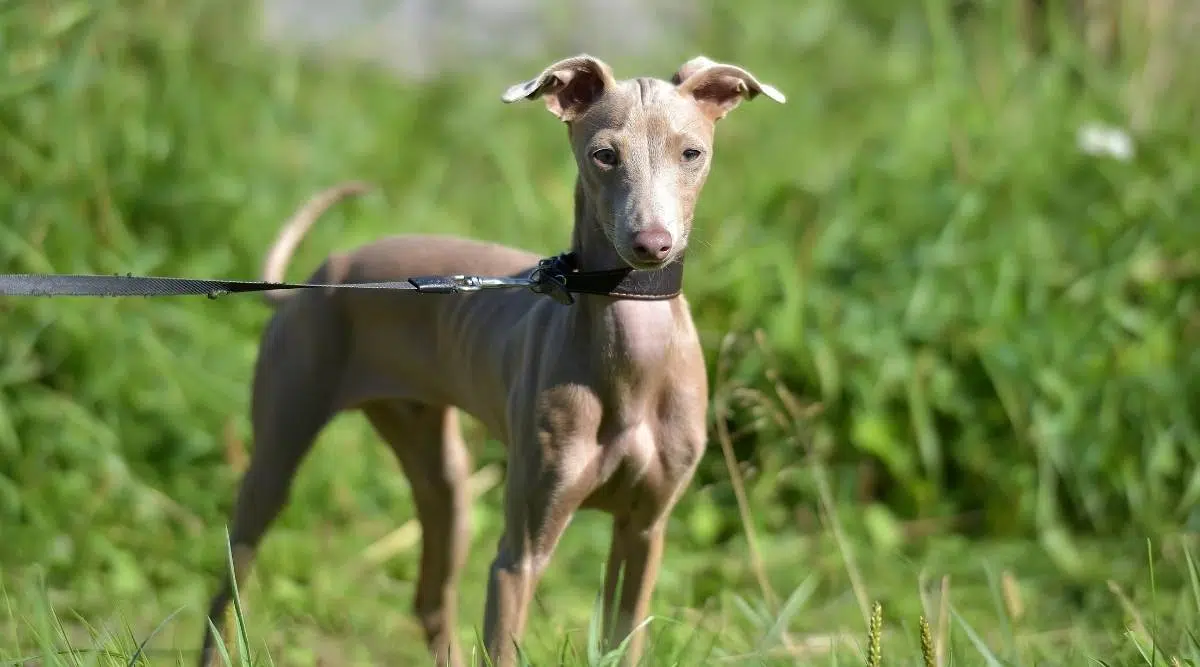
(601, 404)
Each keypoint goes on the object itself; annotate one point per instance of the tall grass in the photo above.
(1148, 640)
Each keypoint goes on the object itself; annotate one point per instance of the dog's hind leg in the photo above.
(295, 387)
(428, 443)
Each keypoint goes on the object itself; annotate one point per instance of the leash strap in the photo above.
(555, 277)
(95, 285)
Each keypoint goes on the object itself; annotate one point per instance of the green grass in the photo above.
(1001, 605)
(943, 341)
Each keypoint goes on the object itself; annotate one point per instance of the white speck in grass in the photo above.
(1105, 141)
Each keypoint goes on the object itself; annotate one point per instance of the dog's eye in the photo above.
(690, 154)
(605, 156)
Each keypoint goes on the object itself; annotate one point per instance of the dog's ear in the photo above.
(718, 87)
(569, 86)
(689, 68)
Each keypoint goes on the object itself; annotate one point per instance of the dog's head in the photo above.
(643, 146)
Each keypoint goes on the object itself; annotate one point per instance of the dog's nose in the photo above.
(652, 245)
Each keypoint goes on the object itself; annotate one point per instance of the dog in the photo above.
(602, 403)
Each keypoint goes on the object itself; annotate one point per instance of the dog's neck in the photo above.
(634, 336)
(593, 250)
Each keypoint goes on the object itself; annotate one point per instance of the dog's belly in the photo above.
(436, 349)
(406, 347)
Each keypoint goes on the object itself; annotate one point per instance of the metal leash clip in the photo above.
(461, 284)
(466, 283)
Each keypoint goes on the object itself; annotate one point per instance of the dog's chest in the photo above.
(649, 444)
(639, 464)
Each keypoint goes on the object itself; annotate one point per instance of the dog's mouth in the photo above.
(648, 264)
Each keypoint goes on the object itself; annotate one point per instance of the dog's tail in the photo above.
(275, 265)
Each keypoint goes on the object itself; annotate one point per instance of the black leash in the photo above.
(555, 277)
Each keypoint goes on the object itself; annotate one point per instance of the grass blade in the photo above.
(977, 641)
(142, 646)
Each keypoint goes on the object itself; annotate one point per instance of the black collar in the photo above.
(559, 277)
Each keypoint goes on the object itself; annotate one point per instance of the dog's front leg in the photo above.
(639, 535)
(640, 550)
(539, 503)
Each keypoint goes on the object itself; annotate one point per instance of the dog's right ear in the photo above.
(570, 86)
(717, 87)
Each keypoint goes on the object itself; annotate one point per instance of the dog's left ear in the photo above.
(570, 86)
(718, 87)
